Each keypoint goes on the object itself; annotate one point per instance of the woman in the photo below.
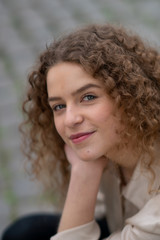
(93, 110)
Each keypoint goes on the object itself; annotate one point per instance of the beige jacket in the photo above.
(132, 213)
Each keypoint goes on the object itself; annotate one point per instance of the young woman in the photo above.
(93, 110)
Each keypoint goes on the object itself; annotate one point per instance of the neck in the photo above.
(125, 174)
(126, 159)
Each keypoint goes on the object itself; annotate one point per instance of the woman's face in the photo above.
(84, 115)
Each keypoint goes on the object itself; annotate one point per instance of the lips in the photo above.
(79, 137)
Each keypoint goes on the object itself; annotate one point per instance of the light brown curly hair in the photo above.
(130, 71)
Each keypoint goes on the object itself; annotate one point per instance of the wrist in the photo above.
(86, 172)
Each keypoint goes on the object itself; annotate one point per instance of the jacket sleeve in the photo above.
(89, 231)
(145, 225)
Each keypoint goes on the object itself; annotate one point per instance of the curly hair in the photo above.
(130, 72)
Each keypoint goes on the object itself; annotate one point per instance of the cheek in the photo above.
(103, 117)
(103, 113)
(111, 126)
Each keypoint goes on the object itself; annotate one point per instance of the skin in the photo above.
(88, 111)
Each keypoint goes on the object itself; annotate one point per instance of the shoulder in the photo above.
(148, 218)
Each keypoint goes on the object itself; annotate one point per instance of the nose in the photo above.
(73, 116)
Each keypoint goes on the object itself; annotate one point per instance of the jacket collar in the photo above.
(137, 190)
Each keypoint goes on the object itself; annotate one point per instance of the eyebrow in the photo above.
(87, 86)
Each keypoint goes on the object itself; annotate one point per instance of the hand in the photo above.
(76, 162)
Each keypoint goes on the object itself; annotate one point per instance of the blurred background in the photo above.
(25, 28)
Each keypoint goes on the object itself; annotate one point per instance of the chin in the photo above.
(88, 155)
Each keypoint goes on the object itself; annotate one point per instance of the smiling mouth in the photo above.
(80, 137)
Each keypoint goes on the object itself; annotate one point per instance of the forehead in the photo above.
(69, 68)
(69, 75)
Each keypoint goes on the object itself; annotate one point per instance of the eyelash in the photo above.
(61, 106)
(58, 105)
(89, 95)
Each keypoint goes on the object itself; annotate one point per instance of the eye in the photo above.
(88, 97)
(58, 107)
